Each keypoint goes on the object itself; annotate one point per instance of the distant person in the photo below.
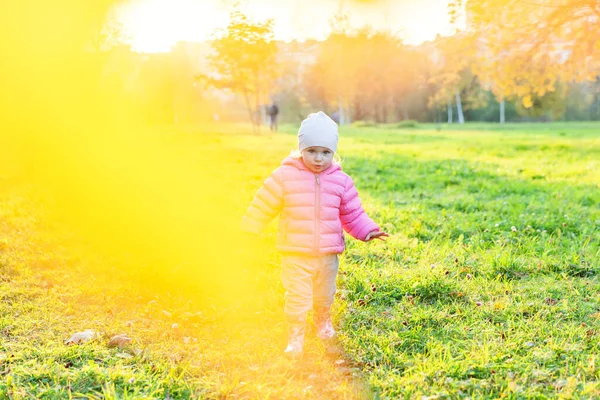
(316, 203)
(336, 116)
(273, 112)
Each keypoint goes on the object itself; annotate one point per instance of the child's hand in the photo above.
(376, 235)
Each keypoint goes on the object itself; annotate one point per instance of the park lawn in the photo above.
(491, 287)
(488, 286)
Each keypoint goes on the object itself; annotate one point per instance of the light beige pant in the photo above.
(309, 281)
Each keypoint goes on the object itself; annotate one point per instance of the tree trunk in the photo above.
(502, 112)
(341, 111)
(348, 114)
(249, 108)
(357, 110)
(596, 111)
(566, 116)
(461, 117)
(257, 108)
(449, 112)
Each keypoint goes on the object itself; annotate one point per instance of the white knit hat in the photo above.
(318, 130)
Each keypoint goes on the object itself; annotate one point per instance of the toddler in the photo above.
(316, 202)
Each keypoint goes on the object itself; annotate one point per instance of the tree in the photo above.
(108, 35)
(365, 74)
(525, 47)
(383, 74)
(550, 107)
(452, 76)
(244, 61)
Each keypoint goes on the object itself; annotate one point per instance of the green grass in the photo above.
(489, 286)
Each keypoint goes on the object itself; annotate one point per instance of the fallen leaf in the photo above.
(559, 384)
(81, 337)
(121, 340)
(345, 370)
(332, 349)
(590, 333)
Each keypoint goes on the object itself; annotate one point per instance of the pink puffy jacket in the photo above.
(313, 209)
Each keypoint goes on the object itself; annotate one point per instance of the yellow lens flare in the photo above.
(171, 218)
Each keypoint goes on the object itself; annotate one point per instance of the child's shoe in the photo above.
(324, 326)
(295, 347)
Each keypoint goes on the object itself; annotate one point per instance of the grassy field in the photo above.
(489, 286)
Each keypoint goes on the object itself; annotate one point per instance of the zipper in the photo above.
(317, 211)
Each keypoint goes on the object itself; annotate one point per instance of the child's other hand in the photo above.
(376, 235)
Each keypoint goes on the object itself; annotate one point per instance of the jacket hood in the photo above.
(299, 164)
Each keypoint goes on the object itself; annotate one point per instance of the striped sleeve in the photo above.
(266, 204)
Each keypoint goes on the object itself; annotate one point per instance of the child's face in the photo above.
(317, 158)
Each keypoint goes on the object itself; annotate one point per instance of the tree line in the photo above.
(516, 60)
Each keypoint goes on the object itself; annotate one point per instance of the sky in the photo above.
(156, 25)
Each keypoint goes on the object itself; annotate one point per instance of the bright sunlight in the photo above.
(195, 206)
(157, 25)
